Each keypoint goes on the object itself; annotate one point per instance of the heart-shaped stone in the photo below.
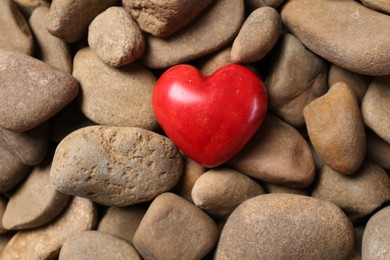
(210, 118)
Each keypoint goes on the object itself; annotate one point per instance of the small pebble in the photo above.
(379, 5)
(219, 191)
(97, 245)
(257, 36)
(173, 228)
(116, 25)
(116, 166)
(343, 145)
(286, 226)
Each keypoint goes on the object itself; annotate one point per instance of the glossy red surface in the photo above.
(210, 118)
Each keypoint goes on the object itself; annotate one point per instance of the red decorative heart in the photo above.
(210, 118)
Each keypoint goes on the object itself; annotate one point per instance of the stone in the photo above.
(97, 245)
(378, 150)
(35, 202)
(191, 172)
(45, 242)
(31, 91)
(329, 28)
(29, 147)
(173, 228)
(343, 145)
(115, 97)
(375, 244)
(276, 188)
(12, 172)
(254, 4)
(219, 191)
(286, 226)
(277, 153)
(209, 64)
(357, 82)
(65, 22)
(115, 37)
(356, 253)
(4, 239)
(116, 166)
(289, 89)
(163, 18)
(51, 49)
(375, 105)
(3, 205)
(28, 6)
(210, 31)
(257, 36)
(378, 5)
(358, 195)
(15, 34)
(122, 221)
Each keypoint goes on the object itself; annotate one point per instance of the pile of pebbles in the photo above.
(86, 172)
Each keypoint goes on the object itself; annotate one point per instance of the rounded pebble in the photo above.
(209, 64)
(97, 245)
(286, 226)
(116, 166)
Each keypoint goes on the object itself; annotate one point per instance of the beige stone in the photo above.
(28, 6)
(378, 150)
(209, 64)
(116, 166)
(114, 97)
(277, 153)
(173, 228)
(336, 130)
(346, 33)
(115, 37)
(379, 5)
(286, 226)
(3, 205)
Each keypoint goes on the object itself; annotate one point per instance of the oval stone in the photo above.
(286, 226)
(116, 166)
(329, 28)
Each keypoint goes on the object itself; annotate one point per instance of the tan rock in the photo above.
(115, 37)
(329, 28)
(162, 18)
(173, 228)
(3, 205)
(116, 166)
(378, 150)
(115, 97)
(219, 191)
(15, 34)
(375, 107)
(289, 88)
(257, 36)
(277, 153)
(379, 5)
(45, 242)
(209, 64)
(51, 49)
(65, 22)
(28, 6)
(336, 129)
(210, 31)
(286, 226)
(97, 245)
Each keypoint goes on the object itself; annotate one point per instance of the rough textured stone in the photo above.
(286, 226)
(116, 37)
(207, 33)
(379, 5)
(97, 245)
(257, 36)
(289, 88)
(254, 4)
(35, 202)
(122, 221)
(116, 166)
(358, 195)
(277, 153)
(51, 50)
(358, 83)
(45, 242)
(115, 97)
(173, 228)
(15, 33)
(28, 147)
(336, 129)
(375, 107)
(31, 91)
(378, 150)
(209, 64)
(162, 18)
(3, 205)
(346, 33)
(220, 191)
(376, 236)
(64, 20)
